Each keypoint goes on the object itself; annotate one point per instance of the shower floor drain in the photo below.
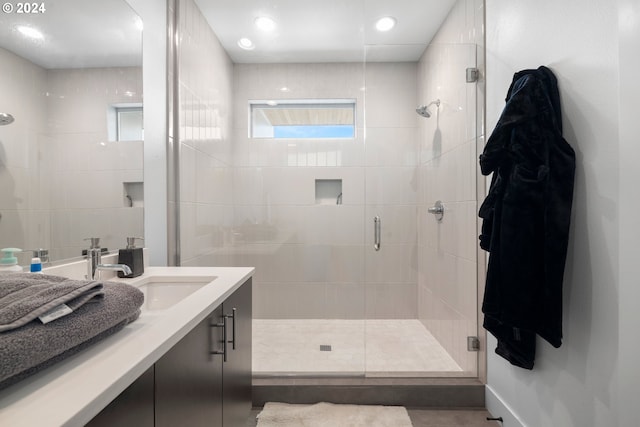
(324, 347)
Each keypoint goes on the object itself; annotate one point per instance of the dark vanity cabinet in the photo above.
(236, 371)
(189, 379)
(133, 407)
(204, 380)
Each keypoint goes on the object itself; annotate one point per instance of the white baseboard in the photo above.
(498, 408)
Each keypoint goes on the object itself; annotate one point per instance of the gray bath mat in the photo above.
(332, 415)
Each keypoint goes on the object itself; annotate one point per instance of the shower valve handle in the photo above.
(437, 210)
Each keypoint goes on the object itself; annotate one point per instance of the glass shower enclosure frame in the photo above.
(354, 275)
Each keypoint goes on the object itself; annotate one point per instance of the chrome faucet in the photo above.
(94, 257)
(126, 270)
(94, 261)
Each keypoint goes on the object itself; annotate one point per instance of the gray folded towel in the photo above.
(26, 296)
(67, 353)
(34, 346)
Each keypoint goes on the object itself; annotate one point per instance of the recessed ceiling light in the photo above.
(385, 23)
(246, 44)
(31, 32)
(265, 23)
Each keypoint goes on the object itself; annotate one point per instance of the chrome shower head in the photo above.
(423, 110)
(6, 119)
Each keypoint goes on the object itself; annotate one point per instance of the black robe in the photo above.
(526, 217)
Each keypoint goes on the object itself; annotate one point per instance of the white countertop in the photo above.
(73, 391)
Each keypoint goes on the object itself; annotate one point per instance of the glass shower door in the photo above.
(298, 210)
(421, 276)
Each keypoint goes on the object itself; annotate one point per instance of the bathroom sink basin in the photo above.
(163, 292)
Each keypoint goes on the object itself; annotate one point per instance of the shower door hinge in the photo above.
(473, 74)
(473, 344)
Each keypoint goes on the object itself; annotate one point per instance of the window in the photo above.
(125, 122)
(129, 124)
(303, 119)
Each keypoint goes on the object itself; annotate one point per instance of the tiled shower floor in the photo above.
(376, 348)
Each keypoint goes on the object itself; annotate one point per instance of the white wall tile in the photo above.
(188, 174)
(347, 264)
(278, 183)
(332, 224)
(391, 301)
(391, 185)
(398, 223)
(290, 300)
(393, 263)
(447, 250)
(345, 301)
(205, 131)
(396, 146)
(391, 95)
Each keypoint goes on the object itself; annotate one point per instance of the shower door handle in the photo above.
(376, 233)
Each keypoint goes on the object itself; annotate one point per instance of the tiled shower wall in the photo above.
(21, 201)
(205, 151)
(308, 257)
(315, 260)
(252, 201)
(391, 148)
(88, 172)
(449, 143)
(62, 179)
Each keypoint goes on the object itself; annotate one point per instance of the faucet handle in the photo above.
(95, 242)
(41, 253)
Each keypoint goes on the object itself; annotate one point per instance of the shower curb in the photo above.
(410, 392)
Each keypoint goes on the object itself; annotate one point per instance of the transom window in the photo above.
(303, 119)
(125, 122)
(130, 124)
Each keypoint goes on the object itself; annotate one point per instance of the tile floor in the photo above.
(451, 418)
(375, 347)
(430, 418)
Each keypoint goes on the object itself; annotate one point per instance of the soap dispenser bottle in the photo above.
(132, 257)
(8, 262)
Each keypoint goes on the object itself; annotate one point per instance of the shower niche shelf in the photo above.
(328, 191)
(133, 194)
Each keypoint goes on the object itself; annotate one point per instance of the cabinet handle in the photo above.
(233, 331)
(222, 325)
(376, 233)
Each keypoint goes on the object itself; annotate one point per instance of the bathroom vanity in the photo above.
(185, 361)
(203, 380)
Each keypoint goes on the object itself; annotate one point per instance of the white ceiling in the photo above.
(100, 33)
(325, 30)
(77, 33)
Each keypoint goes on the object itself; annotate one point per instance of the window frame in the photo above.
(308, 103)
(128, 109)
